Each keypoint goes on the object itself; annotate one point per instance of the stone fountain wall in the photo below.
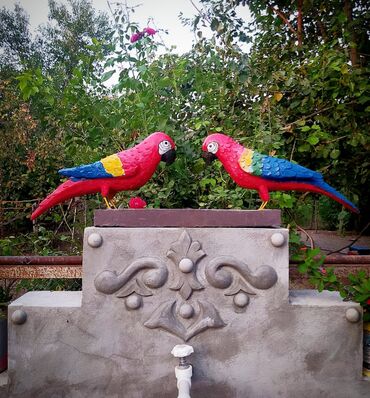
(167, 278)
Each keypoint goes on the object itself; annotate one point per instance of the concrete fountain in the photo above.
(215, 279)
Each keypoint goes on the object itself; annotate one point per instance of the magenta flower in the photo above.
(139, 35)
(136, 203)
(150, 31)
(136, 36)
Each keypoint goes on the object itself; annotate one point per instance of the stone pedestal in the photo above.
(150, 283)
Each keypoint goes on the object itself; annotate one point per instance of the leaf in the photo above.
(107, 75)
(214, 24)
(334, 154)
(278, 96)
(344, 69)
(313, 139)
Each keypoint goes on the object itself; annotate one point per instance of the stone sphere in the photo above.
(186, 311)
(95, 240)
(19, 317)
(186, 265)
(241, 299)
(133, 302)
(353, 315)
(277, 239)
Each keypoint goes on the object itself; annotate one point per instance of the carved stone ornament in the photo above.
(166, 317)
(185, 254)
(263, 278)
(181, 315)
(131, 281)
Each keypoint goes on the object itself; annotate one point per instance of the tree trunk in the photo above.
(299, 24)
(353, 49)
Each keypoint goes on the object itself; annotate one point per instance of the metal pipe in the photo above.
(43, 260)
(77, 260)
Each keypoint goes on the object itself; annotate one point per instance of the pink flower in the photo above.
(323, 271)
(150, 31)
(136, 203)
(139, 35)
(136, 36)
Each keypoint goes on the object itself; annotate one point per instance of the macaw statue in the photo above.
(123, 171)
(252, 170)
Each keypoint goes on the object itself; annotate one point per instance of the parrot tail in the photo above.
(335, 195)
(65, 191)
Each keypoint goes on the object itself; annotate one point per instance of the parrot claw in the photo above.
(107, 203)
(263, 205)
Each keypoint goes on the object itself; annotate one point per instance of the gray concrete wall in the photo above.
(229, 299)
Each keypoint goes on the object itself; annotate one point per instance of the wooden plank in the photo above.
(190, 218)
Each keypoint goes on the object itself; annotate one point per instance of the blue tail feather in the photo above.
(326, 187)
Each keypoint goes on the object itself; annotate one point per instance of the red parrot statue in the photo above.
(252, 170)
(123, 171)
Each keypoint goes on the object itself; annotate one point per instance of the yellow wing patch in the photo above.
(245, 161)
(113, 165)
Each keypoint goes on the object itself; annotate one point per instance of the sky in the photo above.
(164, 13)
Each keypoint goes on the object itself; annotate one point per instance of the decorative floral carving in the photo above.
(185, 254)
(155, 276)
(165, 317)
(263, 278)
(180, 316)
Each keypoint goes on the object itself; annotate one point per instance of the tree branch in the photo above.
(300, 24)
(283, 17)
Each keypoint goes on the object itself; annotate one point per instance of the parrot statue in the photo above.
(126, 170)
(252, 170)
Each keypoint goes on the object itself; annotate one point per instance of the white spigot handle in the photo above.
(182, 350)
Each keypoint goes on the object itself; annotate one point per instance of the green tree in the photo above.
(66, 37)
(15, 39)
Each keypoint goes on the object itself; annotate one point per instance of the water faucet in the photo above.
(184, 370)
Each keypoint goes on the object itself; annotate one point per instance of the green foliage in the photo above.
(90, 92)
(43, 243)
(14, 38)
(323, 278)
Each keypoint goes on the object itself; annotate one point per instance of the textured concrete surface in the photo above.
(115, 340)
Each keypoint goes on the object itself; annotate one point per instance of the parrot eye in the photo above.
(212, 147)
(164, 146)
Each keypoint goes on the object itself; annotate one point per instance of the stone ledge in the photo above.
(190, 218)
(64, 299)
(313, 298)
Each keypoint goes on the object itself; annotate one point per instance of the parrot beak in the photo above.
(208, 157)
(169, 157)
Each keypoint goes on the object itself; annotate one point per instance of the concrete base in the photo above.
(214, 288)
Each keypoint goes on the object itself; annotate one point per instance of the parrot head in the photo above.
(215, 145)
(164, 145)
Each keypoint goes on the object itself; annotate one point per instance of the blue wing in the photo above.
(281, 169)
(88, 171)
